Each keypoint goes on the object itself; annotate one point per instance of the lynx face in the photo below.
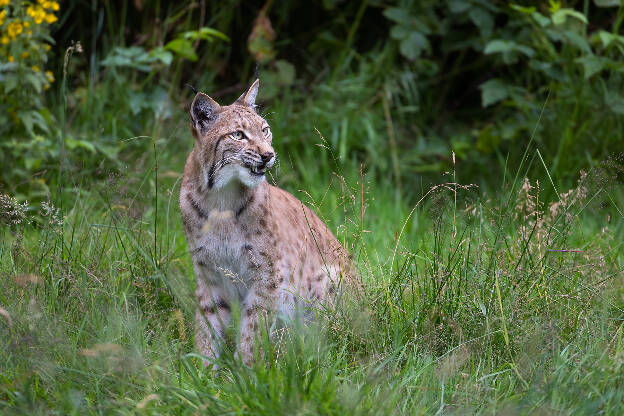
(233, 142)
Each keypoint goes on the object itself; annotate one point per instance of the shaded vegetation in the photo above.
(395, 87)
(465, 152)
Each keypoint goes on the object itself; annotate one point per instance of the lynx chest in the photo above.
(220, 255)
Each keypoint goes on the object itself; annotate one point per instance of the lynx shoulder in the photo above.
(253, 245)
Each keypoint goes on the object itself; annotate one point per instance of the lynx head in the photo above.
(232, 143)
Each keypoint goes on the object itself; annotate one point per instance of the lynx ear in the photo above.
(203, 112)
(249, 97)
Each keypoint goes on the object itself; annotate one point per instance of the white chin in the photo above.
(237, 172)
(247, 178)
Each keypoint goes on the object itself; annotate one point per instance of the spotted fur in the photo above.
(254, 246)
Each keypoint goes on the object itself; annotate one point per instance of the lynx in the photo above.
(254, 246)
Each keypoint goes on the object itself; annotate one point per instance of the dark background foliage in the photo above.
(397, 87)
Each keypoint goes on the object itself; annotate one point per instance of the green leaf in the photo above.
(133, 52)
(137, 101)
(559, 17)
(10, 83)
(577, 40)
(40, 121)
(607, 38)
(493, 91)
(482, 19)
(552, 71)
(182, 47)
(400, 32)
(500, 46)
(413, 45)
(607, 3)
(522, 9)
(615, 101)
(459, 6)
(397, 14)
(73, 144)
(162, 55)
(132, 57)
(488, 5)
(541, 20)
(554, 35)
(27, 120)
(205, 33)
(7, 66)
(592, 64)
(35, 81)
(46, 116)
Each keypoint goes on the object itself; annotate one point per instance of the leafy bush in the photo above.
(25, 123)
(126, 101)
(541, 72)
(395, 87)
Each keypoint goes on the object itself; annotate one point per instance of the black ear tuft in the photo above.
(203, 112)
(191, 87)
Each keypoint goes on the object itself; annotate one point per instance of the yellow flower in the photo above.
(37, 13)
(35, 68)
(29, 32)
(24, 55)
(11, 58)
(14, 28)
(26, 23)
(4, 2)
(4, 40)
(40, 1)
(50, 76)
(47, 47)
(50, 18)
(49, 5)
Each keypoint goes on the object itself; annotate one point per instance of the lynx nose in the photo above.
(267, 157)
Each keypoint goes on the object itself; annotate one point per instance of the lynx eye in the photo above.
(265, 131)
(237, 135)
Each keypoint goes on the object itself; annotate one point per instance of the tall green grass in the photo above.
(467, 304)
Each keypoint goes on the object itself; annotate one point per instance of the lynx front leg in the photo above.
(258, 309)
(211, 318)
